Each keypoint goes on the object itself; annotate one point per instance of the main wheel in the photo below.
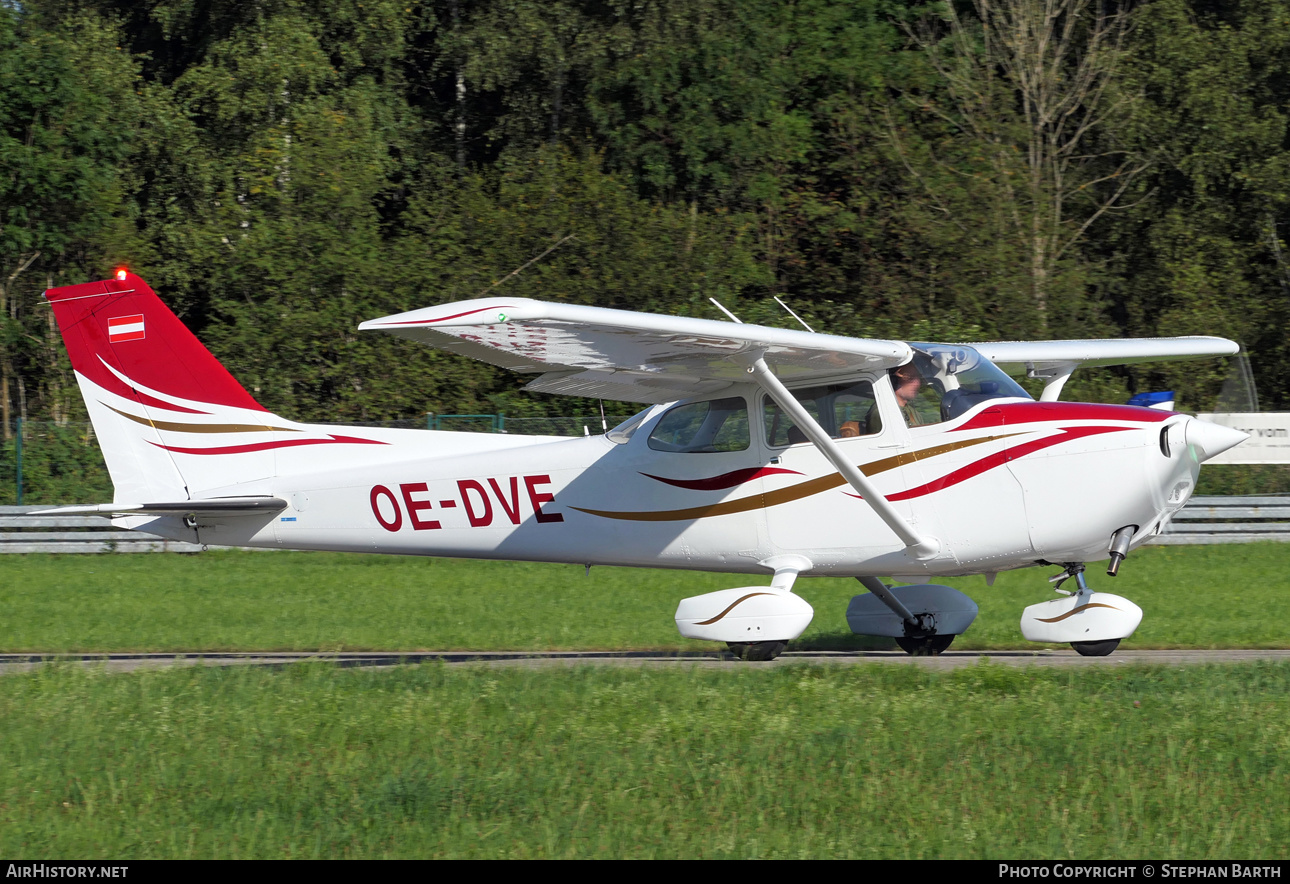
(756, 652)
(928, 646)
(1096, 649)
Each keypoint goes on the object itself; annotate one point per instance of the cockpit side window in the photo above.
(703, 427)
(843, 410)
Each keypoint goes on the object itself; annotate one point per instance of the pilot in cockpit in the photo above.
(906, 382)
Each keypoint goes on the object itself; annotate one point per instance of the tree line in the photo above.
(280, 171)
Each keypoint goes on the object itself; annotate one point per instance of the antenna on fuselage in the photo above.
(725, 311)
(604, 424)
(794, 315)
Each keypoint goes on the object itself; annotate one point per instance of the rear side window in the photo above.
(842, 410)
(703, 427)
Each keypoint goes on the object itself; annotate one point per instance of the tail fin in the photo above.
(154, 392)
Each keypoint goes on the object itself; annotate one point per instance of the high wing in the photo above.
(626, 356)
(1016, 357)
(645, 357)
(1055, 360)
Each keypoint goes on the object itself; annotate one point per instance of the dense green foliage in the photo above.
(283, 170)
(794, 761)
(1194, 596)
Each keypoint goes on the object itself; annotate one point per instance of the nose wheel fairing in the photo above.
(1086, 616)
(1093, 623)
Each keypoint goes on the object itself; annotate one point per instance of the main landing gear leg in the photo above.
(920, 638)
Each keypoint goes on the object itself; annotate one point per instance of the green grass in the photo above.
(1194, 597)
(591, 761)
(594, 761)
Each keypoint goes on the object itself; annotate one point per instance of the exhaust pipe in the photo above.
(1119, 548)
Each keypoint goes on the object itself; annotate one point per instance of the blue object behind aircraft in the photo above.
(1163, 400)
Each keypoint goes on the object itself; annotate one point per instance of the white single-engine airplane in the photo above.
(764, 451)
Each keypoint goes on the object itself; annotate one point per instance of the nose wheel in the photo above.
(1087, 649)
(1096, 649)
(756, 652)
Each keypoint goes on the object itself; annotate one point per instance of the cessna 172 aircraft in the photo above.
(762, 451)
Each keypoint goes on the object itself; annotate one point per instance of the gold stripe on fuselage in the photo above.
(792, 492)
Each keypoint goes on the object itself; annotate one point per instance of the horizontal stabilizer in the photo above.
(222, 506)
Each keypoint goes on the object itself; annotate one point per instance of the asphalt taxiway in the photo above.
(127, 662)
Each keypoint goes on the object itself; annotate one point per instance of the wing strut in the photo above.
(918, 546)
(1055, 377)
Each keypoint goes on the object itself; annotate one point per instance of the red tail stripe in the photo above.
(115, 385)
(266, 446)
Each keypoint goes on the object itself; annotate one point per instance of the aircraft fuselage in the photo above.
(1007, 484)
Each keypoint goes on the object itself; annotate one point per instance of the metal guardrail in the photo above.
(1203, 520)
(20, 533)
(1229, 520)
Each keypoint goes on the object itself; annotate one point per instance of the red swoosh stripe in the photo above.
(265, 446)
(725, 480)
(113, 384)
(1040, 412)
(976, 468)
(453, 316)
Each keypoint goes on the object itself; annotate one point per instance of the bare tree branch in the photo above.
(22, 266)
(1032, 81)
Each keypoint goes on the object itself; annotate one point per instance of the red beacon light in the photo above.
(120, 274)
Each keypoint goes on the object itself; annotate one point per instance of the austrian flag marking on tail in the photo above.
(125, 328)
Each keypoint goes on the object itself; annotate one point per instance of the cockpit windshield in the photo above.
(957, 378)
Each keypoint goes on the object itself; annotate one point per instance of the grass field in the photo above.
(590, 761)
(795, 760)
(1233, 596)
